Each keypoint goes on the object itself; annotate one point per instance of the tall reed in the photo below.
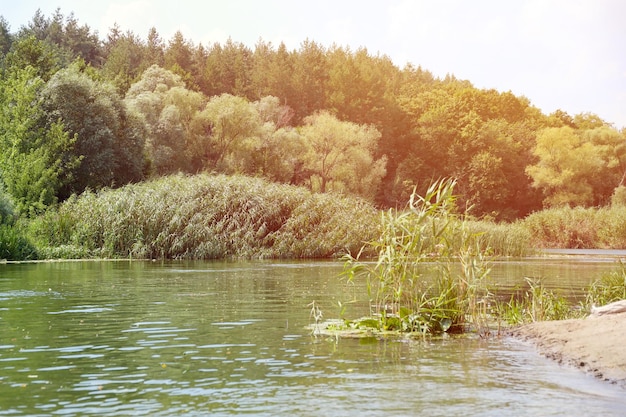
(206, 217)
(583, 228)
(430, 271)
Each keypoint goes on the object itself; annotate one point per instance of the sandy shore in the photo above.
(596, 344)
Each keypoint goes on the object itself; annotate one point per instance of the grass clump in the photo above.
(610, 287)
(537, 303)
(540, 304)
(205, 217)
(431, 269)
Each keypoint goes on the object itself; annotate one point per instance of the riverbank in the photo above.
(594, 344)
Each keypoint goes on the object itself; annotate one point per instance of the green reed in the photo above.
(584, 228)
(536, 303)
(426, 240)
(206, 217)
(610, 287)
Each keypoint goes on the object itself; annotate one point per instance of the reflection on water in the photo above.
(141, 338)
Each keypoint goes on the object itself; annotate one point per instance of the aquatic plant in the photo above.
(431, 268)
(206, 217)
(610, 287)
(536, 303)
(577, 227)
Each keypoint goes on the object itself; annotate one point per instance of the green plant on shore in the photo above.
(431, 268)
(610, 287)
(538, 303)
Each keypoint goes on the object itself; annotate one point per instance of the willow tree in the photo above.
(109, 141)
(167, 108)
(225, 132)
(340, 156)
(578, 167)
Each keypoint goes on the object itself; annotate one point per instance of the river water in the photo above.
(218, 338)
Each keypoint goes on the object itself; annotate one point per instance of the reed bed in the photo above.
(578, 228)
(206, 217)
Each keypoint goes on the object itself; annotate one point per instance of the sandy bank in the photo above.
(596, 344)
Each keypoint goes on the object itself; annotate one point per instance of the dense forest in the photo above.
(81, 112)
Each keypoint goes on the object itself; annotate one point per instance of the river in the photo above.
(229, 338)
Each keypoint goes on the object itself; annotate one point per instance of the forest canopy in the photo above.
(81, 112)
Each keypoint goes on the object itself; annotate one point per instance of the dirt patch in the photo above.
(596, 344)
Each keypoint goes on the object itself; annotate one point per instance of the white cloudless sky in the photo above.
(560, 54)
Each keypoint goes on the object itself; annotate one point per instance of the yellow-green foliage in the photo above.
(207, 217)
(584, 228)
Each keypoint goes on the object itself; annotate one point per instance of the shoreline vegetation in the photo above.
(210, 216)
(218, 216)
(431, 277)
(215, 216)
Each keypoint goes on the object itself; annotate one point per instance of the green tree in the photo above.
(167, 108)
(5, 37)
(610, 145)
(226, 132)
(44, 57)
(34, 162)
(179, 58)
(309, 80)
(72, 40)
(340, 157)
(228, 70)
(565, 165)
(124, 59)
(280, 147)
(154, 53)
(108, 141)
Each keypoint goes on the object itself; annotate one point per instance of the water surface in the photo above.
(218, 338)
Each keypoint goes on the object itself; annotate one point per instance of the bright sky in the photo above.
(560, 54)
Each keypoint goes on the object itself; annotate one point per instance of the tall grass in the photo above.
(15, 245)
(537, 303)
(610, 287)
(502, 239)
(431, 268)
(206, 217)
(580, 228)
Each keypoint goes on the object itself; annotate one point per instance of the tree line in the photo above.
(80, 112)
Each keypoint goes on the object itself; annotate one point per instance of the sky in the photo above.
(560, 54)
